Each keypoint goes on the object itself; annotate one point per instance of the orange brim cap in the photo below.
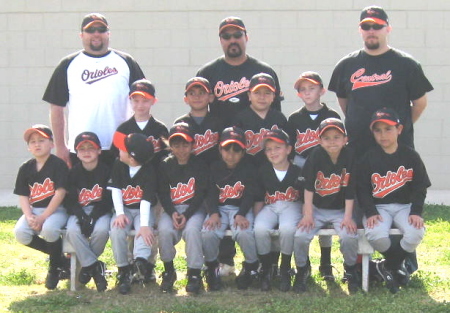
(263, 85)
(119, 141)
(373, 20)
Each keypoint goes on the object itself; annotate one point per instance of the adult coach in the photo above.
(230, 74)
(93, 84)
(378, 76)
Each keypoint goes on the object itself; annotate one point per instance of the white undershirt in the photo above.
(280, 174)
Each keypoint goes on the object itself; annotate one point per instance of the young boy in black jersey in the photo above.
(302, 127)
(392, 186)
(133, 188)
(329, 197)
(182, 185)
(41, 186)
(88, 202)
(281, 187)
(230, 201)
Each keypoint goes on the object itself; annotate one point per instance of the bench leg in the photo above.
(73, 272)
(365, 272)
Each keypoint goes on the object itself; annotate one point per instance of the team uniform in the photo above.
(331, 184)
(393, 186)
(182, 189)
(302, 129)
(255, 128)
(94, 89)
(206, 135)
(231, 193)
(88, 197)
(392, 79)
(230, 85)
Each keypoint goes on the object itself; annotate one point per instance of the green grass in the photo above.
(22, 273)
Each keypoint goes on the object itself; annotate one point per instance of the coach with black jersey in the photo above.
(93, 84)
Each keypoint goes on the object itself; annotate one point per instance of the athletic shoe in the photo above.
(98, 274)
(266, 280)
(226, 270)
(140, 268)
(64, 270)
(326, 271)
(85, 275)
(124, 277)
(285, 280)
(403, 276)
(194, 283)
(351, 278)
(168, 279)
(150, 276)
(246, 278)
(213, 279)
(301, 278)
(52, 279)
(389, 279)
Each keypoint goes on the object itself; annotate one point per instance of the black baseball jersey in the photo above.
(331, 183)
(182, 184)
(232, 186)
(302, 128)
(272, 190)
(40, 186)
(142, 186)
(206, 137)
(95, 90)
(370, 83)
(255, 128)
(230, 85)
(88, 188)
(384, 178)
(155, 130)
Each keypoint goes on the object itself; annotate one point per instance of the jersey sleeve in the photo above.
(201, 186)
(150, 185)
(337, 84)
(418, 84)
(61, 173)
(21, 187)
(309, 173)
(364, 186)
(164, 189)
(419, 185)
(250, 191)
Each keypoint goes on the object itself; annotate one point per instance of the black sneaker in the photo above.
(52, 279)
(246, 278)
(388, 277)
(150, 276)
(194, 284)
(140, 268)
(301, 278)
(64, 270)
(403, 276)
(266, 280)
(98, 274)
(124, 278)
(285, 280)
(168, 279)
(351, 277)
(213, 279)
(85, 275)
(326, 271)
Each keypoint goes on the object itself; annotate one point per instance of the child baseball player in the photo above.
(88, 202)
(329, 197)
(230, 202)
(133, 189)
(182, 185)
(302, 127)
(205, 126)
(392, 186)
(41, 186)
(281, 186)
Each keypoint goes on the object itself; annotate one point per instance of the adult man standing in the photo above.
(378, 76)
(93, 84)
(230, 74)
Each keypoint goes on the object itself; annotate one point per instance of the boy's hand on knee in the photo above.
(147, 234)
(306, 223)
(212, 222)
(38, 222)
(373, 221)
(241, 222)
(416, 221)
(349, 224)
(121, 221)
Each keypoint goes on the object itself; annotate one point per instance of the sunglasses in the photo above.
(371, 26)
(101, 29)
(227, 36)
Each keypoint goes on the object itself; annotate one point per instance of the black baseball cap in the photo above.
(331, 122)
(135, 144)
(182, 130)
(142, 87)
(310, 76)
(231, 21)
(373, 14)
(233, 135)
(92, 18)
(385, 115)
(277, 135)
(262, 80)
(41, 129)
(87, 137)
(198, 81)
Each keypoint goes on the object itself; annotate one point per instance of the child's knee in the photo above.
(381, 244)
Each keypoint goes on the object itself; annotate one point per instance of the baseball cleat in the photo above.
(98, 274)
(326, 271)
(168, 279)
(388, 277)
(301, 278)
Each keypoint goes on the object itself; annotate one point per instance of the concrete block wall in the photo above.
(172, 39)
